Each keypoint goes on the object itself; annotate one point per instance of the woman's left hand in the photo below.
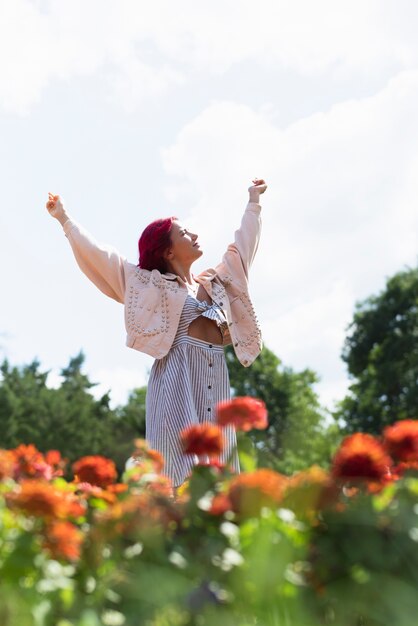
(257, 189)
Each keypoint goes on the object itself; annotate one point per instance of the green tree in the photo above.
(381, 352)
(68, 419)
(297, 435)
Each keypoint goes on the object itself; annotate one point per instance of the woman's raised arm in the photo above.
(247, 236)
(102, 264)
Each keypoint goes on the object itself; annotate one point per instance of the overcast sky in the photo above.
(135, 110)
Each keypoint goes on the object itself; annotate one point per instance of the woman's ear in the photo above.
(168, 254)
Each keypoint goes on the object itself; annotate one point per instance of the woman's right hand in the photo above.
(55, 207)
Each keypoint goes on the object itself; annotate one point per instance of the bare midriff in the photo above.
(206, 330)
(203, 328)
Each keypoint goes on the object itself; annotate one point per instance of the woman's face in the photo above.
(184, 244)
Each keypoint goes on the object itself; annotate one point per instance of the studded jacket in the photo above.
(154, 301)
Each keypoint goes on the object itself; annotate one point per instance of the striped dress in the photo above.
(183, 389)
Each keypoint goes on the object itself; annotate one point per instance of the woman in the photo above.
(182, 320)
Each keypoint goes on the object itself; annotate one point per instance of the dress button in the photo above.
(210, 364)
(221, 304)
(209, 386)
(210, 345)
(209, 409)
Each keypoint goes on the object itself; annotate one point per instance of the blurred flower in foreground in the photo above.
(401, 440)
(245, 413)
(45, 500)
(63, 540)
(249, 492)
(96, 470)
(361, 458)
(202, 439)
(310, 490)
(143, 453)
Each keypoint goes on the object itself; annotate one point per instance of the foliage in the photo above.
(297, 435)
(255, 549)
(68, 419)
(381, 352)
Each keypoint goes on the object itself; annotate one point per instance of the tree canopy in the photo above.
(381, 352)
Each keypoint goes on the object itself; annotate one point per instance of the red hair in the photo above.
(153, 243)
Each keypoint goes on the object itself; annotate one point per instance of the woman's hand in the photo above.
(257, 189)
(56, 208)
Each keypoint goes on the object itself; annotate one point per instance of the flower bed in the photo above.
(259, 548)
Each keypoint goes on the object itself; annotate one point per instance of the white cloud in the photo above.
(340, 212)
(146, 48)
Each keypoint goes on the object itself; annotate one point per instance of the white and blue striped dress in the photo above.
(183, 389)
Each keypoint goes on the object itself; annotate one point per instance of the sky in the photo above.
(134, 110)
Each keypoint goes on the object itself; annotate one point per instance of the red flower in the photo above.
(202, 439)
(251, 491)
(402, 468)
(63, 540)
(96, 470)
(220, 504)
(361, 457)
(244, 413)
(401, 440)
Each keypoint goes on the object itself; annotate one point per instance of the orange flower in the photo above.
(402, 468)
(96, 470)
(251, 491)
(310, 490)
(220, 504)
(244, 413)
(30, 463)
(7, 464)
(361, 458)
(401, 440)
(202, 439)
(63, 540)
(44, 499)
(144, 453)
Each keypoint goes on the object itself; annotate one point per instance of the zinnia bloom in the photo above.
(144, 454)
(361, 458)
(63, 540)
(251, 491)
(30, 463)
(244, 413)
(96, 470)
(202, 439)
(310, 490)
(7, 464)
(43, 499)
(401, 440)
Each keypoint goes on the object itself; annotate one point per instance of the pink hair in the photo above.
(153, 243)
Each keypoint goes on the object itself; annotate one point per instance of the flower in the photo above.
(403, 468)
(43, 499)
(251, 491)
(361, 457)
(310, 490)
(63, 540)
(96, 470)
(401, 440)
(30, 463)
(7, 464)
(244, 413)
(202, 439)
(144, 454)
(220, 504)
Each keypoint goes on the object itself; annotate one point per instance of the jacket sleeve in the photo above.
(102, 264)
(246, 239)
